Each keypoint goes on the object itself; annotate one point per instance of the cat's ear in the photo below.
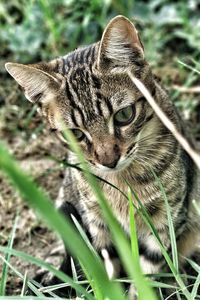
(120, 46)
(36, 82)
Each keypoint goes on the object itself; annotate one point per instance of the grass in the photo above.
(6, 260)
(40, 30)
(93, 267)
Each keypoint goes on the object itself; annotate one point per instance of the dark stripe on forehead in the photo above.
(88, 53)
(98, 105)
(81, 114)
(90, 114)
(81, 56)
(72, 57)
(73, 118)
(76, 56)
(80, 83)
(92, 53)
(91, 58)
(69, 95)
(67, 64)
(87, 77)
(73, 81)
(96, 82)
(63, 66)
(109, 105)
(56, 69)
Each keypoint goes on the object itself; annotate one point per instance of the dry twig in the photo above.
(190, 90)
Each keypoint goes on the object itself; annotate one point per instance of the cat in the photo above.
(121, 138)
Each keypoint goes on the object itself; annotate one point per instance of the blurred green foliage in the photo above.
(33, 30)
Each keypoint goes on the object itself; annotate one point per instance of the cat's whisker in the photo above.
(153, 136)
(154, 143)
(155, 150)
(155, 156)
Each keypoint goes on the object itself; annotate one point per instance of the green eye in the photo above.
(124, 116)
(78, 134)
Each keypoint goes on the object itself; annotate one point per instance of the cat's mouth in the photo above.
(120, 165)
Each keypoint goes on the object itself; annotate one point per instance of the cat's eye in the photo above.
(124, 116)
(79, 134)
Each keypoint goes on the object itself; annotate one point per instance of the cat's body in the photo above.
(122, 139)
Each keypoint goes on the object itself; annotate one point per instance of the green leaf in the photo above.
(170, 224)
(7, 259)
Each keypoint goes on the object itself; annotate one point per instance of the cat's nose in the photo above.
(112, 164)
(107, 154)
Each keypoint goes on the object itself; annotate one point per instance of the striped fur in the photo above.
(86, 89)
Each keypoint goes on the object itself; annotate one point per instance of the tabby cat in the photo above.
(122, 139)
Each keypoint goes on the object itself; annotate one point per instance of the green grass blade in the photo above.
(195, 287)
(56, 221)
(161, 294)
(49, 268)
(83, 234)
(170, 224)
(87, 241)
(196, 267)
(119, 237)
(188, 66)
(30, 285)
(25, 298)
(134, 239)
(54, 287)
(7, 258)
(133, 231)
(197, 207)
(74, 273)
(25, 284)
(150, 224)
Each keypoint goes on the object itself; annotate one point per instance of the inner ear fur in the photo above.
(35, 81)
(120, 45)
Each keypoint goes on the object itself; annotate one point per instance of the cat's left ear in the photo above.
(120, 46)
(38, 83)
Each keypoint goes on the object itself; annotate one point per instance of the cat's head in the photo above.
(90, 91)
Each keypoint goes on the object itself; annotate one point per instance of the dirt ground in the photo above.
(32, 150)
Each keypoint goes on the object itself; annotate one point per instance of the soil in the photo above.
(32, 149)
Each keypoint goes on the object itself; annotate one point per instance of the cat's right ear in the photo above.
(120, 46)
(38, 84)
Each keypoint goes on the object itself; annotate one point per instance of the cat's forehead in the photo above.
(91, 101)
(92, 97)
(85, 56)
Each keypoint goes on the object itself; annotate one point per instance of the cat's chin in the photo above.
(121, 165)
